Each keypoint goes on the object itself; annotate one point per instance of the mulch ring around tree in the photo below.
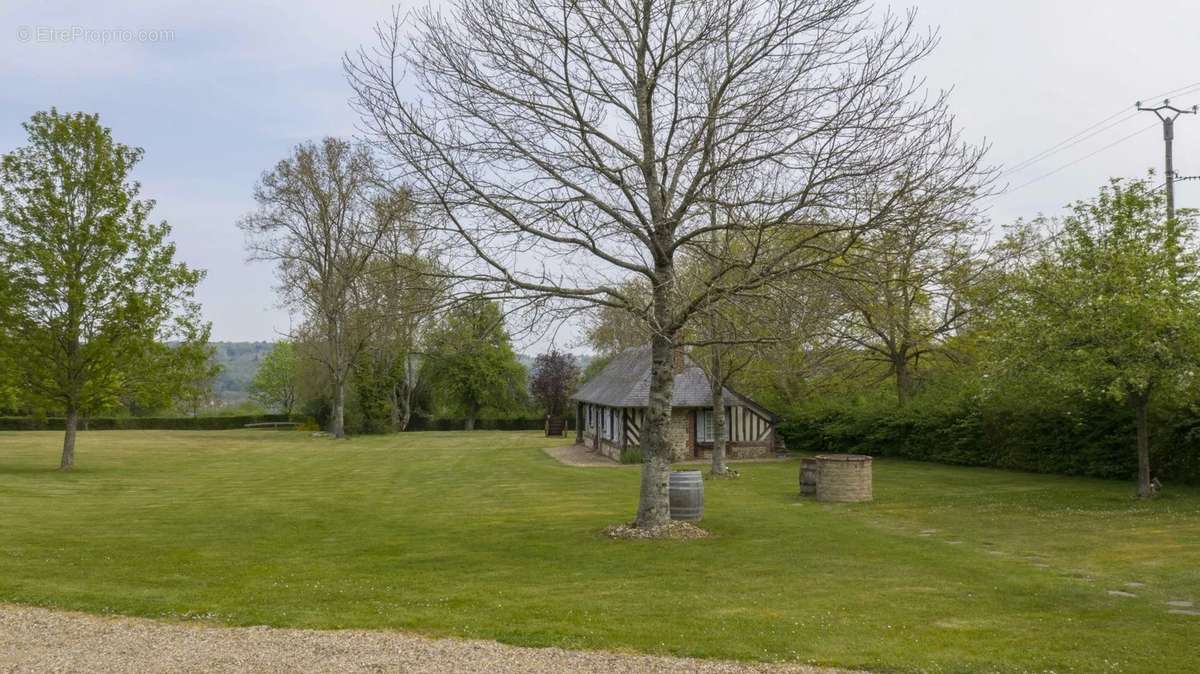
(674, 530)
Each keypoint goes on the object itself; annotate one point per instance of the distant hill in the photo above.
(239, 362)
(581, 359)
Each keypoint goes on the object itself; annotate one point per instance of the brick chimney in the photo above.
(677, 359)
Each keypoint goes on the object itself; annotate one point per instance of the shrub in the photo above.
(455, 424)
(1070, 437)
(631, 455)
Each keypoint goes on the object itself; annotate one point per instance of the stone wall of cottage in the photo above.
(679, 434)
(601, 445)
(610, 449)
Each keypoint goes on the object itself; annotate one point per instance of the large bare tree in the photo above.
(323, 214)
(568, 147)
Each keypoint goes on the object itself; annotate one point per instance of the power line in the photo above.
(1071, 142)
(1181, 91)
(1081, 159)
(1092, 131)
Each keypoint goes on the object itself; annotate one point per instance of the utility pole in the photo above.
(1167, 113)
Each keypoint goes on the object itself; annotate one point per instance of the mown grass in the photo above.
(482, 535)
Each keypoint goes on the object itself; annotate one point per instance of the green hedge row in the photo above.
(138, 423)
(1093, 439)
(516, 424)
(225, 423)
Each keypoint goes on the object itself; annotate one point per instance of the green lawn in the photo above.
(482, 535)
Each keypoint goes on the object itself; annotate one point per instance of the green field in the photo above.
(482, 535)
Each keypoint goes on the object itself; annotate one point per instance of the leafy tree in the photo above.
(1110, 308)
(471, 364)
(405, 288)
(179, 374)
(594, 367)
(198, 374)
(274, 384)
(906, 287)
(8, 381)
(96, 288)
(611, 330)
(555, 376)
(323, 215)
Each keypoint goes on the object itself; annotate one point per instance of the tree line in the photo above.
(383, 332)
(461, 366)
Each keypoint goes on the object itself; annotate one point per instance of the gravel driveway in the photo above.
(41, 640)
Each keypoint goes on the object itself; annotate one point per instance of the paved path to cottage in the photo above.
(41, 640)
(580, 455)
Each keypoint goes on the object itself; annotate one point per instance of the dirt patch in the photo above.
(671, 530)
(41, 640)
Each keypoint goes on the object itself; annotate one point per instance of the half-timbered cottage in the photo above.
(611, 410)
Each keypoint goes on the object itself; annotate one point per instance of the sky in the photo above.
(217, 92)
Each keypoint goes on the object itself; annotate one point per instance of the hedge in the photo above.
(138, 423)
(1090, 439)
(455, 424)
(226, 423)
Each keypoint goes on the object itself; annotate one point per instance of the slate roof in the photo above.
(625, 382)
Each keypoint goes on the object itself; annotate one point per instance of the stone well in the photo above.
(844, 478)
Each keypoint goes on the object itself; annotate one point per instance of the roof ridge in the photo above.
(625, 382)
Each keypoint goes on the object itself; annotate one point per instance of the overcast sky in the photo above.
(217, 93)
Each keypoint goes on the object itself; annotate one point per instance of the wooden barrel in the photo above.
(809, 473)
(687, 495)
(844, 478)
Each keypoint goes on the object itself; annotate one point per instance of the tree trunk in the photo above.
(394, 411)
(472, 412)
(405, 408)
(718, 412)
(654, 505)
(904, 382)
(338, 422)
(68, 451)
(1141, 405)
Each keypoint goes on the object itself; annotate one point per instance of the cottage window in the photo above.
(609, 419)
(704, 426)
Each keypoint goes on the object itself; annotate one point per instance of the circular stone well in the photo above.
(844, 478)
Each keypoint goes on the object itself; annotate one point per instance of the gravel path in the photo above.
(578, 455)
(41, 640)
